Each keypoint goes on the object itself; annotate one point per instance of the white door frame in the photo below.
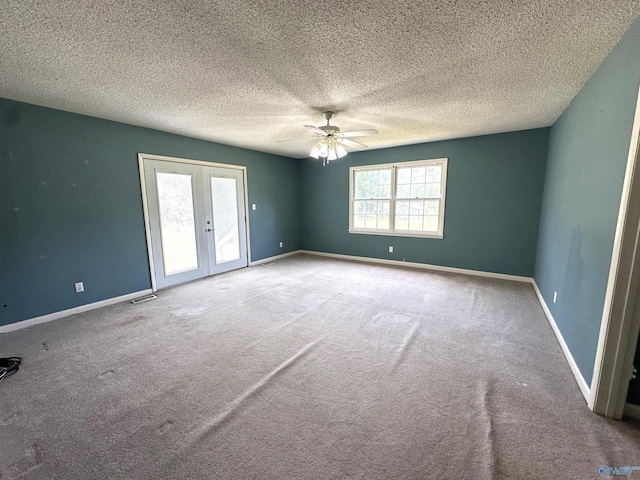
(199, 235)
(145, 206)
(621, 314)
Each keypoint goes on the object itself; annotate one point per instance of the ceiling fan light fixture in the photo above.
(324, 150)
(315, 151)
(329, 147)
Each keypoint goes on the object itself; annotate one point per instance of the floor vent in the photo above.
(144, 299)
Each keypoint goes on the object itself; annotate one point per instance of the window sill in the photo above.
(396, 234)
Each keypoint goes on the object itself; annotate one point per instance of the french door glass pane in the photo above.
(177, 225)
(225, 219)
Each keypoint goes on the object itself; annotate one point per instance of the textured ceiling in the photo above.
(252, 72)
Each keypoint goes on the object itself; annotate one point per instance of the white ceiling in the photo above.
(252, 72)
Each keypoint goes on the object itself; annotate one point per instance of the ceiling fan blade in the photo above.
(315, 129)
(297, 139)
(352, 143)
(360, 133)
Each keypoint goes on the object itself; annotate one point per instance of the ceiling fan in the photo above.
(331, 141)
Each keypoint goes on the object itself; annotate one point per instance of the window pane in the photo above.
(402, 222)
(384, 191)
(433, 207)
(403, 191)
(417, 190)
(418, 174)
(403, 175)
(372, 214)
(414, 184)
(433, 190)
(225, 219)
(364, 186)
(433, 174)
(360, 185)
(385, 177)
(431, 224)
(177, 225)
(416, 207)
(415, 222)
(402, 207)
(373, 184)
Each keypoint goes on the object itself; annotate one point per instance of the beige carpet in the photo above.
(306, 368)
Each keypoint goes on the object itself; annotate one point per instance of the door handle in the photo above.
(208, 229)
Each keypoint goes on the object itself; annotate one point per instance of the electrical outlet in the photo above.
(555, 296)
(280, 244)
(79, 287)
(390, 249)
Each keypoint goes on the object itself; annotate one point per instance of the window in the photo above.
(398, 198)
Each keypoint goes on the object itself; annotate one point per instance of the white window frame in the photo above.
(392, 207)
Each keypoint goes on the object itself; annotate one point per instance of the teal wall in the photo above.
(539, 202)
(588, 149)
(71, 206)
(492, 210)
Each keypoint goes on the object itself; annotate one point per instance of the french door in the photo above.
(195, 220)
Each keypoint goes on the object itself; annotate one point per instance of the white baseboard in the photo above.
(65, 313)
(425, 266)
(103, 303)
(631, 410)
(584, 388)
(274, 258)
